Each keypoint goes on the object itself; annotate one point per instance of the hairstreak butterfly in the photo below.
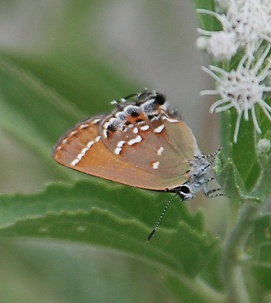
(140, 143)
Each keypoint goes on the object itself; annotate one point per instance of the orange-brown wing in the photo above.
(83, 149)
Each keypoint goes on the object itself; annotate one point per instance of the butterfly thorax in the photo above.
(197, 180)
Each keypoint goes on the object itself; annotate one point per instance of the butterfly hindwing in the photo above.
(149, 145)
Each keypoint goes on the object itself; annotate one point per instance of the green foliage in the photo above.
(41, 97)
(244, 174)
(94, 212)
(86, 212)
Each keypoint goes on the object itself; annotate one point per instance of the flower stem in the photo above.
(234, 251)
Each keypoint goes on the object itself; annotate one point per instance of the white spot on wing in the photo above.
(118, 149)
(120, 143)
(105, 133)
(96, 121)
(80, 156)
(83, 126)
(90, 143)
(74, 162)
(135, 140)
(106, 124)
(159, 129)
(84, 151)
(73, 132)
(144, 127)
(160, 150)
(155, 165)
(170, 120)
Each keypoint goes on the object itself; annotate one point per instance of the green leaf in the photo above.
(68, 272)
(85, 212)
(261, 265)
(116, 217)
(30, 111)
(246, 163)
(206, 21)
(231, 181)
(242, 172)
(88, 84)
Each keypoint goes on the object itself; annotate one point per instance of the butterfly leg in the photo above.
(211, 193)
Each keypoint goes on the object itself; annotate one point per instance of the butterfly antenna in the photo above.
(161, 217)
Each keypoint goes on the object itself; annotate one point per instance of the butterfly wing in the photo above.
(139, 144)
(83, 150)
(161, 145)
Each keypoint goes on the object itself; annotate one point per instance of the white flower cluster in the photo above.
(245, 24)
(246, 29)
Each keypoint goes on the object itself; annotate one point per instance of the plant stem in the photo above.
(234, 250)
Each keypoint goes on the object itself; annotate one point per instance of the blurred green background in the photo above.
(90, 52)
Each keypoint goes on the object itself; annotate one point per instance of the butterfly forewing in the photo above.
(76, 142)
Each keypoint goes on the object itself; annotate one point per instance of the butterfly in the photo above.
(141, 143)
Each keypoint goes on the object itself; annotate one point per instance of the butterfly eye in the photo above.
(160, 99)
(185, 192)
